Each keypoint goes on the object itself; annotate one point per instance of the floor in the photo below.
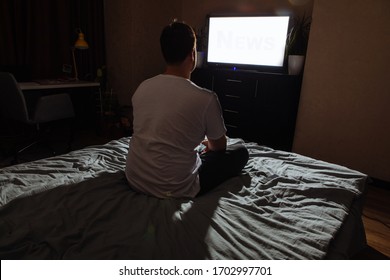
(11, 141)
(376, 219)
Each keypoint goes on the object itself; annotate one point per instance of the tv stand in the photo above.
(257, 106)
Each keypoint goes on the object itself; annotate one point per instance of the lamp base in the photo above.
(76, 76)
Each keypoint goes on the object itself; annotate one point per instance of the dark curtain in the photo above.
(37, 36)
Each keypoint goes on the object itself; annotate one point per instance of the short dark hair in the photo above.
(177, 41)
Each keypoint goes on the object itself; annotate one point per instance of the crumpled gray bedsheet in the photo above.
(79, 206)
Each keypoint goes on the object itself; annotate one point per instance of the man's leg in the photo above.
(219, 166)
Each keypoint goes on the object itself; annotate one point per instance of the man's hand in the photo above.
(215, 145)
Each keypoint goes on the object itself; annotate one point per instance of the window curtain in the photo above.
(37, 37)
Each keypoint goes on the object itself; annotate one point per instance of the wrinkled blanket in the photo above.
(79, 206)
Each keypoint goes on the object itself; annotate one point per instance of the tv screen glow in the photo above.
(251, 40)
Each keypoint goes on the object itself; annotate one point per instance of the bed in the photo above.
(79, 206)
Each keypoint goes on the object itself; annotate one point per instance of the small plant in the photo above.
(101, 77)
(298, 36)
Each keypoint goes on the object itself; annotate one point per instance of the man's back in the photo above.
(171, 117)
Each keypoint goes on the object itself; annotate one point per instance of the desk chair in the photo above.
(48, 109)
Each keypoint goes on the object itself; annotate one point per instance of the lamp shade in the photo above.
(81, 43)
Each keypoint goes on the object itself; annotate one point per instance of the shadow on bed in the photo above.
(102, 218)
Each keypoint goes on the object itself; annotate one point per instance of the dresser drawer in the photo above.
(235, 87)
(231, 117)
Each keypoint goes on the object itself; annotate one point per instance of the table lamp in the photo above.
(80, 44)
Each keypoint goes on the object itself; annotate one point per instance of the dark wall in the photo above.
(37, 35)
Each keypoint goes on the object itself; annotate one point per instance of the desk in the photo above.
(54, 84)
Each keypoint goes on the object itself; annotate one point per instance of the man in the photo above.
(172, 116)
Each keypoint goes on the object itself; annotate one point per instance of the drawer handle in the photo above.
(230, 111)
(233, 81)
(232, 96)
(232, 126)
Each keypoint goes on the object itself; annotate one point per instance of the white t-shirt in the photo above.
(172, 116)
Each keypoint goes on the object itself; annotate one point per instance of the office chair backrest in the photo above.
(53, 107)
(12, 102)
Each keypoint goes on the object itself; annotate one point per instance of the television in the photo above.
(247, 42)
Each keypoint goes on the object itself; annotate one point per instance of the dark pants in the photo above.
(219, 166)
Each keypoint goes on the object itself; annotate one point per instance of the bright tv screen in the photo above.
(247, 40)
